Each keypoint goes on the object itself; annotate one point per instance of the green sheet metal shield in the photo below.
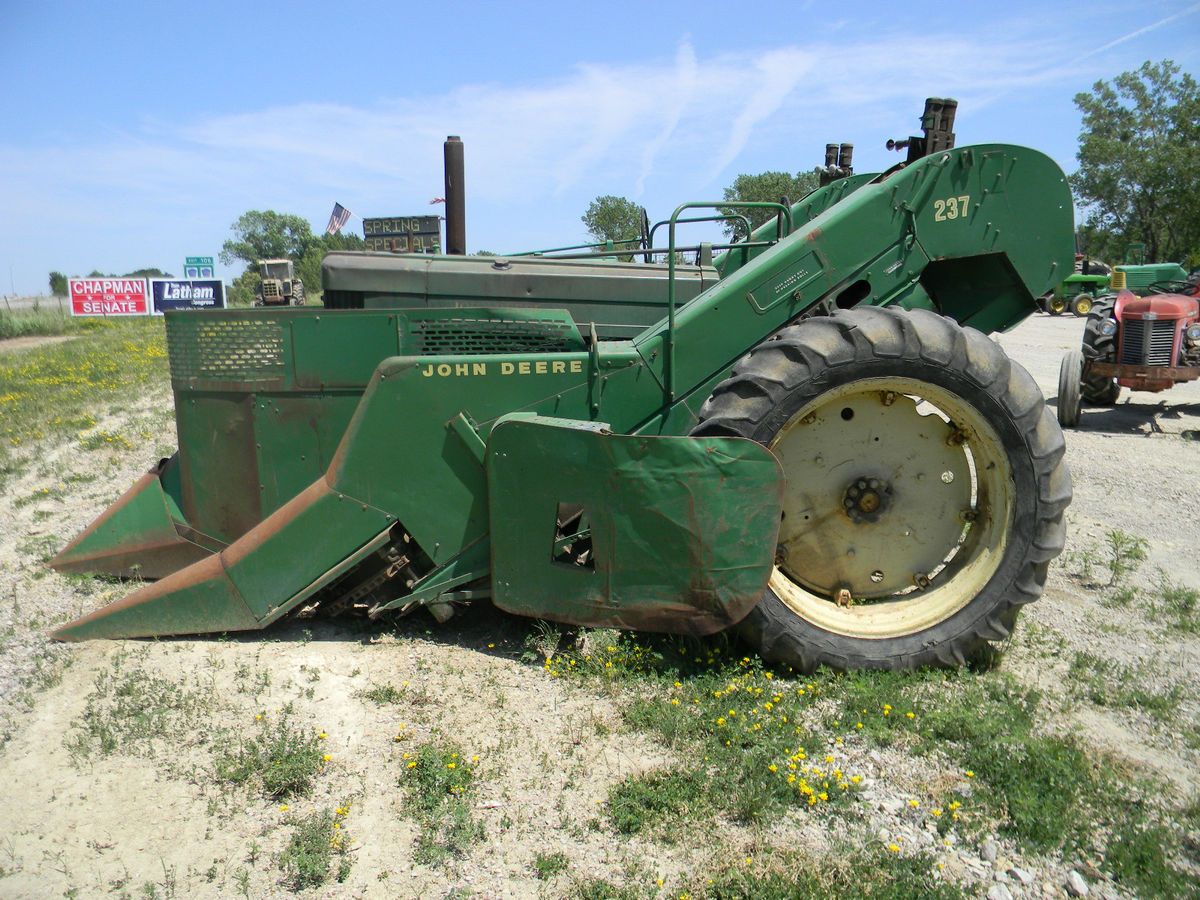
(669, 534)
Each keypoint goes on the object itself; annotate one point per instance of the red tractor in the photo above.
(1145, 343)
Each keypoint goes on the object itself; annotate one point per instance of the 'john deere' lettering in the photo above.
(539, 367)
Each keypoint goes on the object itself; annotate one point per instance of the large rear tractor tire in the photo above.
(1096, 389)
(925, 488)
(1070, 383)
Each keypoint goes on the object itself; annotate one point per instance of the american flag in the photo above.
(339, 217)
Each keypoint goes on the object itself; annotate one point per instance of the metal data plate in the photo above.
(679, 532)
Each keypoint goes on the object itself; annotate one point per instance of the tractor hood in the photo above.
(1159, 306)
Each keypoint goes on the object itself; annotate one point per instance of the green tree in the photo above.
(58, 284)
(309, 265)
(244, 287)
(151, 272)
(610, 218)
(266, 234)
(1139, 167)
(766, 187)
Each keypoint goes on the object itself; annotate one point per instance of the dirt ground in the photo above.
(149, 820)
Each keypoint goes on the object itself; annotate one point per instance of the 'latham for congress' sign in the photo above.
(192, 293)
(108, 296)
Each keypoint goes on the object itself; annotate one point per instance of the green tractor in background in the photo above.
(1078, 292)
(1093, 279)
(1143, 278)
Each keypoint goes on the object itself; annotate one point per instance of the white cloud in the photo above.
(666, 129)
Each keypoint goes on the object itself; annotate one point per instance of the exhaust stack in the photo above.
(456, 199)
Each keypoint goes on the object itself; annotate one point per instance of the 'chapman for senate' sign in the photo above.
(170, 293)
(108, 296)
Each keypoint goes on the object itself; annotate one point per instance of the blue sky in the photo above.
(134, 135)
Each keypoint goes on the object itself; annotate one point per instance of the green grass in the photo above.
(1179, 603)
(382, 694)
(550, 865)
(641, 801)
(440, 784)
(854, 873)
(129, 708)
(1110, 684)
(735, 722)
(1043, 790)
(45, 321)
(1126, 552)
(57, 391)
(281, 757)
(599, 889)
(737, 727)
(307, 860)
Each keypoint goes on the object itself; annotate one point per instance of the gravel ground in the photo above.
(551, 750)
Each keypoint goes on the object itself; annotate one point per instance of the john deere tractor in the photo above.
(812, 441)
(278, 284)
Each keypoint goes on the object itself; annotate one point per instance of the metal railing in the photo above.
(785, 213)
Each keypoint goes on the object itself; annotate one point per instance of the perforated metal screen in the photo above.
(219, 349)
(446, 336)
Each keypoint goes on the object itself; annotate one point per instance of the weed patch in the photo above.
(1179, 603)
(1043, 790)
(1110, 684)
(440, 784)
(316, 841)
(785, 876)
(280, 757)
(382, 694)
(738, 722)
(643, 800)
(1126, 552)
(129, 708)
(550, 865)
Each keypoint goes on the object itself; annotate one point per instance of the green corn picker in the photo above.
(811, 440)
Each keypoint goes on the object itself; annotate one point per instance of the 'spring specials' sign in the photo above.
(404, 234)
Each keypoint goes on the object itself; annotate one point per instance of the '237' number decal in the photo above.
(951, 208)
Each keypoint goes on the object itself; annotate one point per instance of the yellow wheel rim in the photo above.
(897, 509)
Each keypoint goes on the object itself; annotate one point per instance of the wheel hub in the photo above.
(866, 499)
(879, 491)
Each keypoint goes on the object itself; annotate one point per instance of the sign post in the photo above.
(108, 296)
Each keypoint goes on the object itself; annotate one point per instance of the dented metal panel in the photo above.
(672, 534)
